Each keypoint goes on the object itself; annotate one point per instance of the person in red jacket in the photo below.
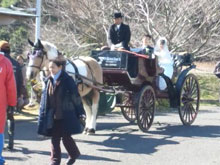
(5, 48)
(8, 95)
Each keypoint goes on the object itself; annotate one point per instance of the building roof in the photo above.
(11, 12)
(8, 16)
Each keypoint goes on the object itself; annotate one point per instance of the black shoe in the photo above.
(8, 148)
(10, 145)
(91, 131)
(70, 161)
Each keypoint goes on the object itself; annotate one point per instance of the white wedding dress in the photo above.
(165, 61)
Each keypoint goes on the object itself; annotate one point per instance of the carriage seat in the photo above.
(180, 60)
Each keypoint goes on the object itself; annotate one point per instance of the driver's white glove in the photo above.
(115, 47)
(112, 47)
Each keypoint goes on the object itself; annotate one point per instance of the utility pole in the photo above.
(38, 20)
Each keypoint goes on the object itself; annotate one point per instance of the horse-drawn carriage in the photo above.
(119, 72)
(136, 95)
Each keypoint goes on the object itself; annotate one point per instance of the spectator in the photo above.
(60, 112)
(5, 47)
(7, 96)
(24, 94)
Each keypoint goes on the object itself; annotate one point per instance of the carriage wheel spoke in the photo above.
(192, 88)
(146, 108)
(189, 100)
(128, 108)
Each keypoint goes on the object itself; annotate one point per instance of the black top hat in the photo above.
(117, 15)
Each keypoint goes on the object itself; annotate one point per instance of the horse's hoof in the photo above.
(85, 130)
(91, 131)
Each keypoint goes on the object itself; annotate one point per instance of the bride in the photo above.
(165, 61)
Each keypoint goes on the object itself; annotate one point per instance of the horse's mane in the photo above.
(51, 49)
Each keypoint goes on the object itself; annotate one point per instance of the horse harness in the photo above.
(78, 79)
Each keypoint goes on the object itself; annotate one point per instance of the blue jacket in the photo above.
(68, 100)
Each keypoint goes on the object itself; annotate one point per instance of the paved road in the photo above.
(118, 142)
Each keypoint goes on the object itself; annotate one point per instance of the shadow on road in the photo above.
(119, 137)
(88, 157)
(209, 131)
(114, 126)
(132, 141)
(127, 141)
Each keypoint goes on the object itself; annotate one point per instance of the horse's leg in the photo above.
(88, 112)
(95, 103)
(31, 102)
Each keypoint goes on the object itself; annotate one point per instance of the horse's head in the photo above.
(38, 57)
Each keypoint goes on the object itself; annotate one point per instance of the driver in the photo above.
(119, 34)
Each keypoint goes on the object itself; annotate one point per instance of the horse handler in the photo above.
(60, 112)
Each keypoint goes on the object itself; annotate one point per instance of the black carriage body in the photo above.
(121, 69)
(110, 59)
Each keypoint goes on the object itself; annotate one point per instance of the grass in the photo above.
(209, 89)
(209, 92)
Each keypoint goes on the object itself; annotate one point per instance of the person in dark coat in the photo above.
(60, 112)
(5, 47)
(147, 49)
(23, 100)
(119, 34)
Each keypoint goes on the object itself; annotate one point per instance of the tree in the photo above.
(7, 3)
(16, 34)
(78, 26)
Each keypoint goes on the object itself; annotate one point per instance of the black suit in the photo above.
(116, 36)
(17, 73)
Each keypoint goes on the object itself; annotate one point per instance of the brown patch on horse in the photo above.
(94, 68)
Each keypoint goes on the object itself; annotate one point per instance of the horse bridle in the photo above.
(42, 59)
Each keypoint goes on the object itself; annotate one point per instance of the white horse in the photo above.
(87, 67)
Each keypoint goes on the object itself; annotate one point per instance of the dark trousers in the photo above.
(11, 127)
(68, 142)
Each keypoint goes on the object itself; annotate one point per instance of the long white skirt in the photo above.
(168, 71)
